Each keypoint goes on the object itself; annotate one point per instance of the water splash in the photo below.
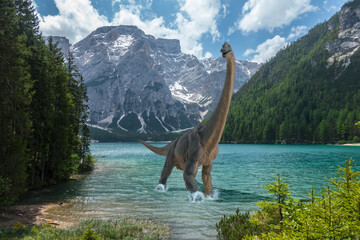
(214, 195)
(161, 188)
(198, 197)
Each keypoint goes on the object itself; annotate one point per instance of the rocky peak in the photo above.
(349, 34)
(138, 83)
(170, 46)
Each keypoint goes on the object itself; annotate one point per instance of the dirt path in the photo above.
(28, 215)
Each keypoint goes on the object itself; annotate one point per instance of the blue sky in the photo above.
(256, 29)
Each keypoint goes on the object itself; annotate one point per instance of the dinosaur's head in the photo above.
(226, 48)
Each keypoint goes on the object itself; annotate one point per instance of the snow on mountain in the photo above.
(142, 84)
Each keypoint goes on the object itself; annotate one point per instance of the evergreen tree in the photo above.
(298, 96)
(43, 106)
(15, 96)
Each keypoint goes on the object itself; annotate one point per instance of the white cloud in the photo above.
(271, 14)
(76, 19)
(331, 8)
(226, 11)
(208, 55)
(195, 19)
(296, 32)
(267, 49)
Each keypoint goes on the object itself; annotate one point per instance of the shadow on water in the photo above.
(53, 194)
(226, 195)
(231, 195)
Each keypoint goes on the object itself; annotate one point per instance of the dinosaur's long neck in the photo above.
(212, 130)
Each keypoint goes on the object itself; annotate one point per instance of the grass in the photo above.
(127, 228)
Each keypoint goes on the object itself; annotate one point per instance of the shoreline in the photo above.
(352, 144)
(32, 214)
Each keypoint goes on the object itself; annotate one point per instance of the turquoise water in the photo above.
(127, 174)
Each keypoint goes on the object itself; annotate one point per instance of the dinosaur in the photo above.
(200, 145)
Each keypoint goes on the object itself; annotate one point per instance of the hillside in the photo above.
(308, 93)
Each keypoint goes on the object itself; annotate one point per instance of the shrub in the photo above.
(236, 226)
(89, 234)
(333, 214)
(5, 187)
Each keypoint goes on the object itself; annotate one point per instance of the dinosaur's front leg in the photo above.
(167, 169)
(189, 175)
(206, 178)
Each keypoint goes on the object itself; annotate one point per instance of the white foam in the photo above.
(161, 188)
(198, 197)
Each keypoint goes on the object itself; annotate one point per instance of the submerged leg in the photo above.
(189, 175)
(206, 178)
(167, 169)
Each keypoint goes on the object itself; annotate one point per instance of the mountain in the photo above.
(308, 93)
(139, 84)
(62, 43)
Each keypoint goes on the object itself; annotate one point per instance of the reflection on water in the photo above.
(126, 176)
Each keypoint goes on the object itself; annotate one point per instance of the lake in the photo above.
(126, 175)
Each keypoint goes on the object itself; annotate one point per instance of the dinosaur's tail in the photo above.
(163, 151)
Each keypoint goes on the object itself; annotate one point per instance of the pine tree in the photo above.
(81, 139)
(15, 97)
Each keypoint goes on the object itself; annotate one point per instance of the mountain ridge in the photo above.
(137, 83)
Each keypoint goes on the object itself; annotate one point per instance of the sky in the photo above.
(256, 29)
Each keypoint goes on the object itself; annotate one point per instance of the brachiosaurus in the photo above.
(200, 145)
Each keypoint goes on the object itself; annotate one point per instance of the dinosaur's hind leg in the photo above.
(206, 178)
(167, 169)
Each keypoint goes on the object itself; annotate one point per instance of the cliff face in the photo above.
(142, 84)
(125, 89)
(349, 34)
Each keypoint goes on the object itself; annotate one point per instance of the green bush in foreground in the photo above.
(334, 213)
(128, 228)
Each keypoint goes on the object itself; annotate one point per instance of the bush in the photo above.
(5, 187)
(87, 164)
(356, 139)
(89, 234)
(333, 214)
(236, 226)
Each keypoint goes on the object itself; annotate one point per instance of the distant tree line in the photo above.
(43, 135)
(298, 96)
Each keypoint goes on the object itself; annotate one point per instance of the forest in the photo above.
(43, 135)
(298, 97)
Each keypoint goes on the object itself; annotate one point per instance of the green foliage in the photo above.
(5, 187)
(89, 234)
(128, 228)
(333, 214)
(87, 164)
(356, 139)
(236, 226)
(43, 135)
(15, 94)
(298, 96)
(280, 190)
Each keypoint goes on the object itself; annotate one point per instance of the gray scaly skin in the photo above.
(200, 145)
